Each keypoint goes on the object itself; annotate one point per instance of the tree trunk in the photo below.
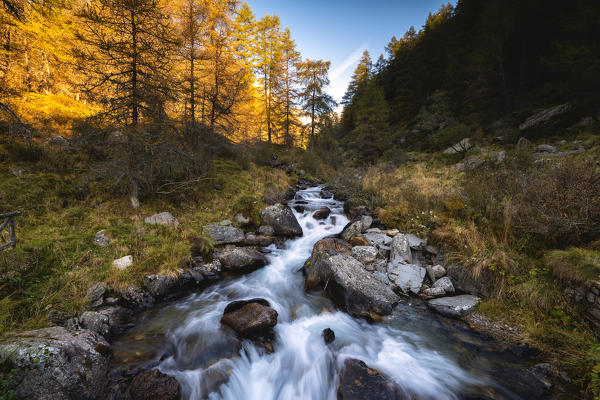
(134, 72)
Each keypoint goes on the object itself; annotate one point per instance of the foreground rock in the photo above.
(454, 307)
(223, 233)
(153, 384)
(358, 382)
(58, 364)
(281, 219)
(160, 286)
(250, 318)
(349, 285)
(240, 260)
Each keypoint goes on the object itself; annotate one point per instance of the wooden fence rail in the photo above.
(9, 224)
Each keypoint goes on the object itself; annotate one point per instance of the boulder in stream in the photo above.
(250, 318)
(322, 213)
(349, 284)
(407, 277)
(58, 364)
(281, 218)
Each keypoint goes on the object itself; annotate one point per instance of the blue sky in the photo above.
(339, 30)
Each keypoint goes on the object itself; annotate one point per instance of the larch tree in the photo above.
(193, 20)
(126, 49)
(314, 79)
(267, 65)
(290, 58)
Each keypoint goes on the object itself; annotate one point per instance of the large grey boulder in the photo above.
(400, 249)
(408, 277)
(163, 218)
(58, 364)
(136, 298)
(240, 260)
(454, 307)
(281, 218)
(223, 233)
(349, 285)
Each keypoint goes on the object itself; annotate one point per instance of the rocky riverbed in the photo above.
(310, 305)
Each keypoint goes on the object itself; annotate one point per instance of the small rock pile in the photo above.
(366, 269)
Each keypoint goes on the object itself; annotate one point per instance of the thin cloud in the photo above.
(347, 63)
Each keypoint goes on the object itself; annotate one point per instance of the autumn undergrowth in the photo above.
(530, 226)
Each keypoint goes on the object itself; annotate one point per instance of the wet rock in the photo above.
(153, 384)
(299, 208)
(96, 295)
(454, 307)
(56, 363)
(160, 286)
(240, 260)
(523, 382)
(250, 318)
(95, 322)
(223, 233)
(400, 249)
(364, 254)
(322, 213)
(100, 239)
(281, 219)
(446, 284)
(358, 382)
(328, 335)
(123, 263)
(358, 241)
(349, 285)
(163, 218)
(407, 277)
(136, 298)
(352, 230)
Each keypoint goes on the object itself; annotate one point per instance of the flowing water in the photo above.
(431, 356)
